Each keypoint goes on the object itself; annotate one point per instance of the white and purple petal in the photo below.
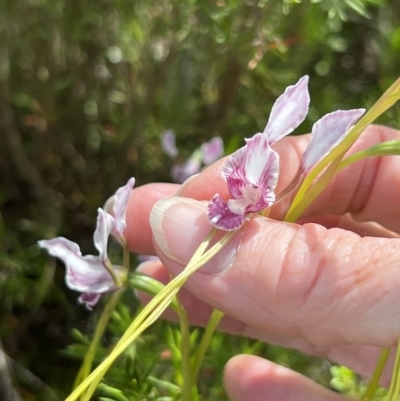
(212, 150)
(103, 229)
(190, 167)
(289, 111)
(119, 208)
(168, 143)
(326, 133)
(83, 273)
(221, 217)
(252, 173)
(89, 299)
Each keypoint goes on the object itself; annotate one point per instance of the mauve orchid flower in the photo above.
(212, 150)
(90, 274)
(180, 173)
(251, 172)
(208, 153)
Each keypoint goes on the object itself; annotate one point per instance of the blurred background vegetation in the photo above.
(87, 88)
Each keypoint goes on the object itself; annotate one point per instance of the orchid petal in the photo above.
(89, 299)
(84, 273)
(252, 173)
(220, 216)
(212, 150)
(326, 133)
(168, 143)
(191, 166)
(289, 111)
(103, 229)
(119, 208)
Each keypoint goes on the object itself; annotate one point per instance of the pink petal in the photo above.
(168, 143)
(84, 273)
(326, 133)
(191, 166)
(220, 215)
(103, 229)
(119, 209)
(252, 173)
(289, 111)
(89, 299)
(212, 150)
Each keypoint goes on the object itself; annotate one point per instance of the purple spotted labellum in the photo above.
(90, 274)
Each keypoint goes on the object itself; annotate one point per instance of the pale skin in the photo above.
(328, 285)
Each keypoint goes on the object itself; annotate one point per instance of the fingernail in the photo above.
(142, 267)
(185, 184)
(180, 225)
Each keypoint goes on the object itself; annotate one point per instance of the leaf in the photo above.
(389, 148)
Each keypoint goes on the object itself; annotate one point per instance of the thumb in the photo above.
(326, 286)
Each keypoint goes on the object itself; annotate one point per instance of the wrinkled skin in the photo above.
(327, 286)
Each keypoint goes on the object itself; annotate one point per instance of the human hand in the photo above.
(327, 286)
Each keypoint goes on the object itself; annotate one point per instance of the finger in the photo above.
(346, 221)
(138, 232)
(349, 190)
(360, 358)
(251, 378)
(367, 189)
(325, 286)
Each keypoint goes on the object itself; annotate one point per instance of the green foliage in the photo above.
(86, 88)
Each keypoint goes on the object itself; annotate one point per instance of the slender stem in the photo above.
(98, 334)
(186, 352)
(205, 342)
(110, 268)
(393, 384)
(325, 179)
(373, 383)
(126, 258)
(296, 180)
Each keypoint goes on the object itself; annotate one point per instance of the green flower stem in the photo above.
(98, 334)
(185, 353)
(308, 198)
(110, 268)
(373, 383)
(205, 342)
(151, 312)
(389, 148)
(394, 389)
(126, 258)
(151, 286)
